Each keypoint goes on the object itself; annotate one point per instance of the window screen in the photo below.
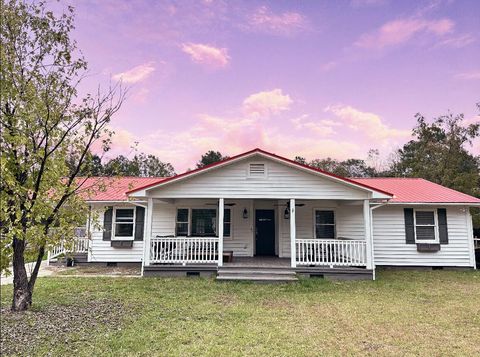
(124, 221)
(182, 222)
(425, 225)
(324, 224)
(203, 222)
(227, 222)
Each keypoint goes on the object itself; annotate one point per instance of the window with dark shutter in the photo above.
(124, 223)
(324, 224)
(425, 226)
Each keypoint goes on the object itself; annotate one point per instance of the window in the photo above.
(181, 227)
(227, 222)
(324, 224)
(425, 226)
(204, 222)
(124, 223)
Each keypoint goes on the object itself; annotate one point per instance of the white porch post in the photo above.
(293, 234)
(148, 233)
(221, 205)
(368, 234)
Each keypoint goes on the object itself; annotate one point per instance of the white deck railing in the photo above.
(184, 250)
(78, 245)
(331, 252)
(476, 243)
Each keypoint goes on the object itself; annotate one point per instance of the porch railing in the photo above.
(476, 243)
(79, 245)
(184, 250)
(331, 252)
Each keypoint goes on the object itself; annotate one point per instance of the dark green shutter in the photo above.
(442, 225)
(409, 226)
(139, 223)
(107, 224)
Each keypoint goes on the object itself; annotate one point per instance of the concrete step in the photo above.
(257, 278)
(251, 271)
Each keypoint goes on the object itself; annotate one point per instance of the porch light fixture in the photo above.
(245, 213)
(286, 214)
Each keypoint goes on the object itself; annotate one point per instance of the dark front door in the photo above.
(265, 231)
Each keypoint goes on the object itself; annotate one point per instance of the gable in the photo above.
(258, 176)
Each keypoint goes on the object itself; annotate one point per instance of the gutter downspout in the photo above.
(371, 234)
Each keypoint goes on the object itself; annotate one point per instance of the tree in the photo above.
(300, 160)
(439, 153)
(210, 157)
(92, 166)
(141, 165)
(346, 168)
(43, 121)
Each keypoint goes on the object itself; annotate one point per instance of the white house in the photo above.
(257, 205)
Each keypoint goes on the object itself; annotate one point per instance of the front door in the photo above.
(265, 231)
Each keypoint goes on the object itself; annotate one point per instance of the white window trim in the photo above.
(435, 225)
(114, 223)
(265, 173)
(230, 237)
(188, 221)
(190, 209)
(334, 221)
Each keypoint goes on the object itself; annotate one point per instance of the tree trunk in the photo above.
(22, 295)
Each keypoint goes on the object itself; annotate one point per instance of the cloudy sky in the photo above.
(309, 78)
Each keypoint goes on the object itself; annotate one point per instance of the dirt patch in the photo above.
(100, 270)
(22, 333)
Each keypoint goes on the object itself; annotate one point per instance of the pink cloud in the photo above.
(459, 41)
(400, 31)
(267, 103)
(286, 23)
(369, 124)
(135, 74)
(207, 55)
(323, 128)
(472, 75)
(326, 67)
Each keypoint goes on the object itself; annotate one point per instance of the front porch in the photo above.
(259, 269)
(289, 231)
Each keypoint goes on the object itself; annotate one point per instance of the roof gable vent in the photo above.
(256, 170)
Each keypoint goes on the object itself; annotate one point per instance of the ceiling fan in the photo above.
(216, 204)
(287, 204)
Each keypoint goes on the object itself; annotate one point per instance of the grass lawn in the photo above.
(402, 313)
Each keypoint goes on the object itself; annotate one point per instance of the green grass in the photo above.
(402, 313)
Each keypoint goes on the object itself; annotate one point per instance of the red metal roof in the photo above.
(257, 150)
(111, 188)
(417, 190)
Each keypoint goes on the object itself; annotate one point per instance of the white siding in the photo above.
(101, 251)
(281, 182)
(390, 247)
(349, 222)
(241, 240)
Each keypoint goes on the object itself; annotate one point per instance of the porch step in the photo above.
(257, 275)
